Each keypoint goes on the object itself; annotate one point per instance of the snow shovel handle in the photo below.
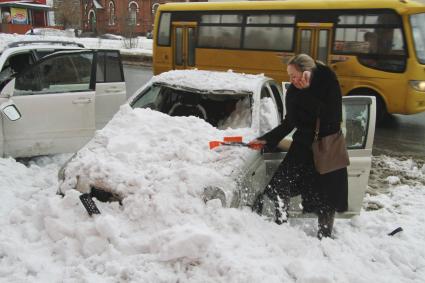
(255, 146)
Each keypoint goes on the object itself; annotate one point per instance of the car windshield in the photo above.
(418, 29)
(219, 109)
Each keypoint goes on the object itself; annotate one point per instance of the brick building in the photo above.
(119, 16)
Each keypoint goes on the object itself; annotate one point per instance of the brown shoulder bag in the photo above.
(329, 152)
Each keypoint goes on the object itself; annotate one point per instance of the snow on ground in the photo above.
(140, 45)
(175, 237)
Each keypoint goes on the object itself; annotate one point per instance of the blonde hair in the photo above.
(302, 62)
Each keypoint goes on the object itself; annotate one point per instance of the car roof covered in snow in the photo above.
(211, 81)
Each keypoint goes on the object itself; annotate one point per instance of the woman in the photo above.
(314, 92)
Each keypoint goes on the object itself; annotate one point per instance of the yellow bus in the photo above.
(375, 47)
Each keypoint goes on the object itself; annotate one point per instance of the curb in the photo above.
(136, 60)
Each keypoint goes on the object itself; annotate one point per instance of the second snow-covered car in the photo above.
(142, 152)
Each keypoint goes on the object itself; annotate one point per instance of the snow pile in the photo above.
(271, 118)
(387, 170)
(146, 153)
(47, 238)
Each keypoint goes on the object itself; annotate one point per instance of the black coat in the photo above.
(303, 106)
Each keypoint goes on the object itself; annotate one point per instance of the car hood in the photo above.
(142, 151)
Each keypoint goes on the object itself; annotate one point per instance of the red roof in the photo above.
(26, 1)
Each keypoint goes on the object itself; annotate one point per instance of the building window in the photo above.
(133, 9)
(111, 13)
(92, 20)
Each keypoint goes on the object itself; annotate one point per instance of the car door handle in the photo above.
(112, 90)
(356, 173)
(82, 101)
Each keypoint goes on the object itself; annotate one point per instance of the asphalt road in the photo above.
(136, 77)
(400, 135)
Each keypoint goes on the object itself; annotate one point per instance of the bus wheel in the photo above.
(381, 111)
(381, 108)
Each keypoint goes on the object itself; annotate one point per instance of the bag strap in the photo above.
(316, 131)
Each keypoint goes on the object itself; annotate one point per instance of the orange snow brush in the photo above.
(234, 141)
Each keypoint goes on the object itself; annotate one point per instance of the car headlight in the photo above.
(214, 193)
(61, 173)
(418, 85)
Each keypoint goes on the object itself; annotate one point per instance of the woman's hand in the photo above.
(305, 79)
(257, 144)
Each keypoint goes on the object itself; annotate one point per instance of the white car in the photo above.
(55, 104)
(124, 159)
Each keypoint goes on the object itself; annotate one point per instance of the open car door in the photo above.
(359, 128)
(110, 86)
(56, 98)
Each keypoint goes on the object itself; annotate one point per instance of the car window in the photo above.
(14, 65)
(278, 98)
(148, 98)
(40, 53)
(18, 62)
(220, 110)
(57, 74)
(269, 113)
(109, 67)
(235, 113)
(355, 124)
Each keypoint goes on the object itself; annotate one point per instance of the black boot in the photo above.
(326, 223)
(257, 207)
(281, 217)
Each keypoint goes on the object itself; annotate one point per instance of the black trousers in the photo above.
(296, 175)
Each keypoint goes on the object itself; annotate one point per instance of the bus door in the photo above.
(314, 39)
(183, 44)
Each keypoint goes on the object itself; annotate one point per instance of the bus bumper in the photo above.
(415, 102)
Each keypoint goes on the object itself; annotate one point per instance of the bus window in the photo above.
(164, 29)
(269, 38)
(269, 32)
(221, 19)
(418, 28)
(305, 46)
(376, 39)
(322, 50)
(219, 37)
(191, 47)
(216, 31)
(178, 51)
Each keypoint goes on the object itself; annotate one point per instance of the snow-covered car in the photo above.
(151, 140)
(55, 103)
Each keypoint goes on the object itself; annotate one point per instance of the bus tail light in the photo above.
(418, 85)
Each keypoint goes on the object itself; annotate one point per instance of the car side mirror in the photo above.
(8, 89)
(10, 111)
